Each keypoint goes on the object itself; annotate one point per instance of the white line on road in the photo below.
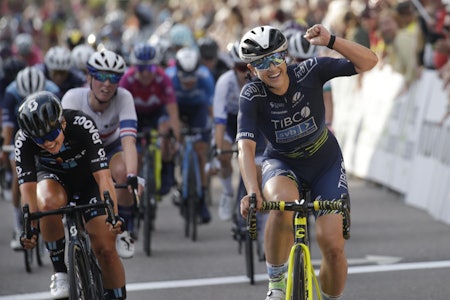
(159, 285)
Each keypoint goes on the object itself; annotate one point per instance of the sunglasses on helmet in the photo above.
(264, 63)
(102, 77)
(51, 136)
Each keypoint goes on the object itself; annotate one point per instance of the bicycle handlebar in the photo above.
(70, 208)
(342, 205)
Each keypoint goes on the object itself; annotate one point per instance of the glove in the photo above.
(132, 181)
(33, 231)
(118, 218)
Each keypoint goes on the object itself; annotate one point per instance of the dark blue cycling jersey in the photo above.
(294, 121)
(300, 146)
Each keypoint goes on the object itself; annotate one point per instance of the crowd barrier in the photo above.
(394, 135)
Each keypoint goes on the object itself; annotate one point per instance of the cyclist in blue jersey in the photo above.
(28, 81)
(194, 90)
(286, 104)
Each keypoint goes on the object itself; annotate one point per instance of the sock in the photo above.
(328, 297)
(227, 185)
(126, 212)
(277, 274)
(18, 219)
(116, 294)
(56, 250)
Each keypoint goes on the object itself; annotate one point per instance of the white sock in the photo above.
(328, 297)
(227, 185)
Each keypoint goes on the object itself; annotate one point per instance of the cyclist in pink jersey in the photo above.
(155, 103)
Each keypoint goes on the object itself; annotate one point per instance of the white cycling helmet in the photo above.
(299, 47)
(58, 58)
(30, 80)
(107, 61)
(80, 56)
(233, 50)
(24, 43)
(260, 42)
(188, 59)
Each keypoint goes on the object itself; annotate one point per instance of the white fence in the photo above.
(393, 136)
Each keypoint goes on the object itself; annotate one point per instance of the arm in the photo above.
(130, 154)
(363, 58)
(248, 170)
(172, 111)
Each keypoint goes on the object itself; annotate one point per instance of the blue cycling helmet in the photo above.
(144, 54)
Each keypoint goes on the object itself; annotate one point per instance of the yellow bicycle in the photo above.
(301, 275)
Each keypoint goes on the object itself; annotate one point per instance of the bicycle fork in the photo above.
(301, 248)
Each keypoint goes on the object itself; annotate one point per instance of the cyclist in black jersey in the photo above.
(59, 154)
(286, 104)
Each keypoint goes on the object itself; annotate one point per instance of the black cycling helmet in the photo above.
(208, 47)
(260, 42)
(39, 114)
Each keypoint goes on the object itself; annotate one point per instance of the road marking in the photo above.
(159, 285)
(368, 260)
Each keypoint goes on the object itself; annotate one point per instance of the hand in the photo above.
(117, 225)
(245, 204)
(318, 35)
(132, 181)
(29, 243)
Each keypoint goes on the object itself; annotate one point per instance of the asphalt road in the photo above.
(395, 252)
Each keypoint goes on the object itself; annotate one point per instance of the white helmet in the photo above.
(106, 60)
(299, 47)
(24, 43)
(261, 41)
(188, 59)
(30, 80)
(58, 58)
(80, 56)
(233, 50)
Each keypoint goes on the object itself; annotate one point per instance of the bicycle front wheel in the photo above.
(79, 275)
(300, 276)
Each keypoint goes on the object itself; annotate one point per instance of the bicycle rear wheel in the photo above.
(299, 276)
(79, 274)
(148, 206)
(191, 209)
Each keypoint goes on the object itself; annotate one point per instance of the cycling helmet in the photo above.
(30, 80)
(181, 36)
(80, 56)
(107, 61)
(74, 38)
(39, 114)
(208, 48)
(261, 41)
(188, 59)
(299, 47)
(24, 43)
(11, 67)
(233, 50)
(144, 54)
(58, 58)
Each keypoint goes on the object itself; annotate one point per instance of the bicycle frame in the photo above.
(78, 243)
(300, 269)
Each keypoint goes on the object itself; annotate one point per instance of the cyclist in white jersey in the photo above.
(112, 109)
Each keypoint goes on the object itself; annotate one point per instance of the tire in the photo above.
(249, 259)
(28, 259)
(299, 276)
(147, 207)
(193, 198)
(97, 286)
(79, 273)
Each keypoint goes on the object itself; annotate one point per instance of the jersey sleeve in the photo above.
(248, 113)
(25, 150)
(220, 101)
(127, 113)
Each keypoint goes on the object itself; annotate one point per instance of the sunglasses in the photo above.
(102, 77)
(241, 67)
(265, 62)
(51, 136)
(149, 68)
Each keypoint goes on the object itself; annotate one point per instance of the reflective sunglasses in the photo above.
(102, 77)
(51, 136)
(264, 63)
(149, 68)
